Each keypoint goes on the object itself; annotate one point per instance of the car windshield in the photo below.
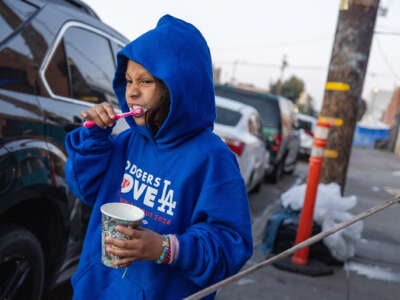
(227, 117)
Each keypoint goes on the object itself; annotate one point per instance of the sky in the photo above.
(249, 39)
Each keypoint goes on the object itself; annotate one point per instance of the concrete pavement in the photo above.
(373, 273)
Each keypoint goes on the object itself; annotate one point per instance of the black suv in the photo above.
(279, 126)
(57, 58)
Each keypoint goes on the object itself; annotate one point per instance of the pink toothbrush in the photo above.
(136, 111)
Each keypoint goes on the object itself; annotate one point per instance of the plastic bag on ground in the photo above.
(330, 209)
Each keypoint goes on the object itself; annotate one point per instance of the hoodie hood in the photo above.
(176, 53)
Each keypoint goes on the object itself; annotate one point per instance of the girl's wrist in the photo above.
(169, 249)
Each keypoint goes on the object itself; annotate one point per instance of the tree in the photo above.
(290, 88)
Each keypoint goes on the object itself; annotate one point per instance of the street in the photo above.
(276, 81)
(374, 271)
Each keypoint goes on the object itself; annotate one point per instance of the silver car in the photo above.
(239, 126)
(306, 124)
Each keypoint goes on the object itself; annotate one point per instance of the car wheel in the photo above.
(21, 264)
(256, 188)
(277, 172)
(291, 168)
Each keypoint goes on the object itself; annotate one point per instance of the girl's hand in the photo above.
(143, 244)
(102, 114)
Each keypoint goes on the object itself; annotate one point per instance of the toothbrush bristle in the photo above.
(137, 110)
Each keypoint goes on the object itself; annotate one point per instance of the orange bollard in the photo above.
(314, 172)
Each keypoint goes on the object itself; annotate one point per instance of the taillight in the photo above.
(235, 145)
(276, 144)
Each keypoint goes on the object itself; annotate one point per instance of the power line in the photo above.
(277, 66)
(314, 68)
(268, 65)
(387, 32)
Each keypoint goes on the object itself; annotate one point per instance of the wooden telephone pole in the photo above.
(345, 81)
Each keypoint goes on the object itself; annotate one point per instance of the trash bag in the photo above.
(342, 243)
(330, 209)
(280, 234)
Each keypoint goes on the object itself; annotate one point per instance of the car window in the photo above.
(90, 64)
(57, 73)
(306, 125)
(227, 116)
(17, 65)
(13, 14)
(116, 47)
(266, 104)
(268, 110)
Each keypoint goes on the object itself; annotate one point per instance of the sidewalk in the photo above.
(374, 273)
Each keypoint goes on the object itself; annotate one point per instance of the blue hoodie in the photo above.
(184, 177)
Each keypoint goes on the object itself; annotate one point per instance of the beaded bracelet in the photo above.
(174, 244)
(165, 255)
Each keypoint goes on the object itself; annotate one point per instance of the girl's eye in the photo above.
(147, 81)
(128, 81)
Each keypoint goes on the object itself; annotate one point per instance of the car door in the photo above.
(77, 73)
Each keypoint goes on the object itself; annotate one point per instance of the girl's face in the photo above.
(142, 89)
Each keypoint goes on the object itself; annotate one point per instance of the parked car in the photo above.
(57, 58)
(239, 126)
(279, 126)
(306, 124)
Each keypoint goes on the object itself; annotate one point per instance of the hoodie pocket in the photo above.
(97, 281)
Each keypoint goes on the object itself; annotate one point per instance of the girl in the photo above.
(197, 226)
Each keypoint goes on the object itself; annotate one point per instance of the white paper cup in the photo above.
(114, 214)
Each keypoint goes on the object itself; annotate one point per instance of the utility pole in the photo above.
(345, 82)
(280, 81)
